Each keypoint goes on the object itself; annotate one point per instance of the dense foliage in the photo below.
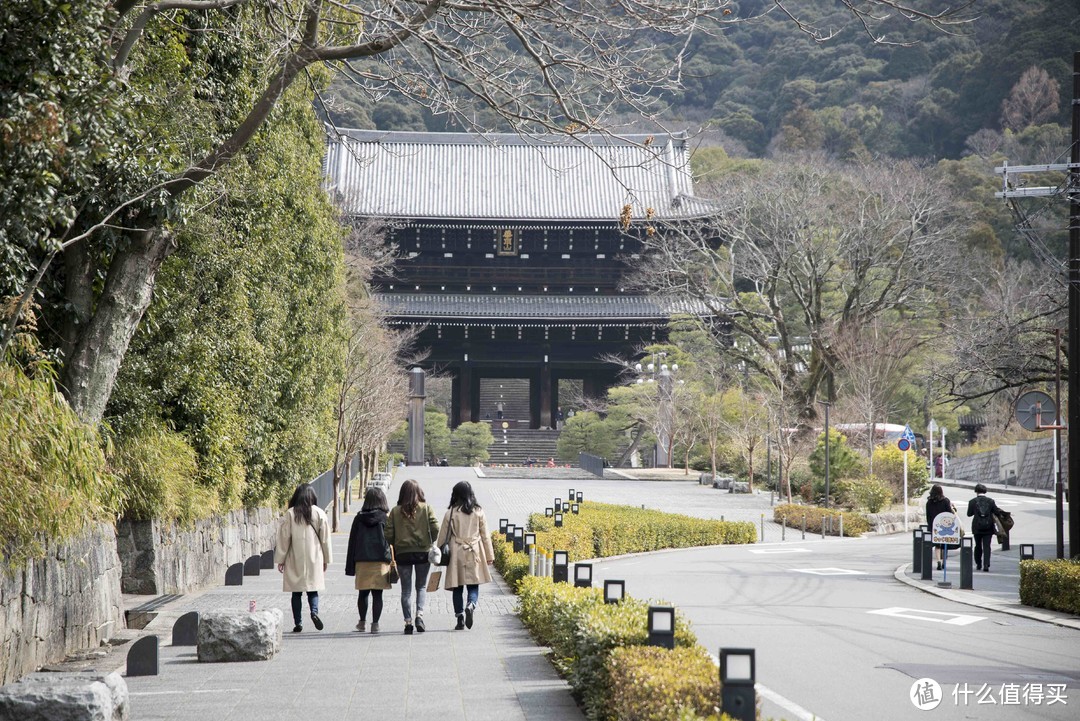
(1053, 584)
(55, 479)
(855, 524)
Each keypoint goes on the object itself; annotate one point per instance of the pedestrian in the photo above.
(983, 508)
(411, 529)
(464, 527)
(368, 557)
(551, 463)
(303, 552)
(937, 503)
(559, 418)
(499, 410)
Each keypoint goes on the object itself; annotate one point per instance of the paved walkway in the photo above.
(493, 671)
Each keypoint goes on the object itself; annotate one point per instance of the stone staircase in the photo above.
(514, 395)
(514, 445)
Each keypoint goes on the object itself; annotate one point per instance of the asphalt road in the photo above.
(836, 635)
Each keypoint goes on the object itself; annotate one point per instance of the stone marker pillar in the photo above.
(416, 418)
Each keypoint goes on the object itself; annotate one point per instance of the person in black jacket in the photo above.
(983, 509)
(937, 503)
(368, 558)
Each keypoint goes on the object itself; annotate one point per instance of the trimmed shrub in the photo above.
(602, 530)
(552, 612)
(604, 628)
(54, 479)
(512, 566)
(855, 524)
(654, 684)
(1053, 584)
(870, 493)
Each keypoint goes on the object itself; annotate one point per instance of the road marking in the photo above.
(782, 551)
(785, 703)
(829, 571)
(953, 619)
(174, 693)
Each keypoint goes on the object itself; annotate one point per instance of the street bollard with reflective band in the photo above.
(916, 551)
(967, 563)
(928, 556)
(532, 561)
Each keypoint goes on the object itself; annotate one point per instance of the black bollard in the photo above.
(927, 557)
(967, 561)
(916, 551)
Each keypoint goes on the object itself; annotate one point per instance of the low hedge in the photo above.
(602, 530)
(855, 524)
(654, 684)
(1053, 584)
(512, 566)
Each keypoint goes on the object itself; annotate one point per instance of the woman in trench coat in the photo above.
(303, 552)
(464, 527)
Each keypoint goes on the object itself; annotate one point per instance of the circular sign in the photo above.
(904, 444)
(1034, 410)
(505, 424)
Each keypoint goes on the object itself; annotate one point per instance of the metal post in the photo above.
(762, 526)
(1073, 351)
(783, 529)
(804, 526)
(841, 525)
(827, 404)
(823, 528)
(1059, 491)
(916, 551)
(966, 563)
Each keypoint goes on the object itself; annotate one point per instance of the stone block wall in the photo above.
(1033, 461)
(160, 558)
(68, 601)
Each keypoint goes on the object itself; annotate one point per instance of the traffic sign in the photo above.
(906, 440)
(904, 444)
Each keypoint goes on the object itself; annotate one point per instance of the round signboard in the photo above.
(1035, 409)
(946, 530)
(904, 444)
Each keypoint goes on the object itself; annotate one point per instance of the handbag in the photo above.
(393, 576)
(444, 550)
(434, 554)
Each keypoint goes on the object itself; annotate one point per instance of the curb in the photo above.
(973, 599)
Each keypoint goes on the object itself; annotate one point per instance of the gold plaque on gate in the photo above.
(507, 241)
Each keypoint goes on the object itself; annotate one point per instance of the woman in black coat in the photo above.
(937, 503)
(368, 558)
(983, 509)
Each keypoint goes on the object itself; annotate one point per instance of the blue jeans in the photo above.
(410, 580)
(459, 602)
(312, 602)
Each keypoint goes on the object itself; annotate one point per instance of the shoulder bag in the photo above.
(444, 551)
(393, 575)
(434, 554)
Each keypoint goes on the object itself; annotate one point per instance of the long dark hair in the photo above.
(463, 498)
(936, 493)
(303, 498)
(375, 500)
(410, 497)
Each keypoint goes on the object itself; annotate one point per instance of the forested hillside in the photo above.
(768, 85)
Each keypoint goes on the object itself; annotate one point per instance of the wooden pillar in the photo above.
(547, 415)
(467, 391)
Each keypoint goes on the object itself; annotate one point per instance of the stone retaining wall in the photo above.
(1027, 464)
(65, 602)
(160, 558)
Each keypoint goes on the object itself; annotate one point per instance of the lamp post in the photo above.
(583, 575)
(737, 696)
(661, 627)
(664, 377)
(826, 404)
(614, 590)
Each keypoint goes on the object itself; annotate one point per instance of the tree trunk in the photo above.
(102, 341)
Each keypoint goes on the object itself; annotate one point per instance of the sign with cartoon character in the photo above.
(946, 530)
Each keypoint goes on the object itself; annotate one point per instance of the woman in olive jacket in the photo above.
(368, 558)
(411, 529)
(465, 527)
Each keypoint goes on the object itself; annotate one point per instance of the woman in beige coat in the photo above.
(464, 527)
(303, 552)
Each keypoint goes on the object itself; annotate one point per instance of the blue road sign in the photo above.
(907, 439)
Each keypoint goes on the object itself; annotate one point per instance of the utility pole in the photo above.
(1011, 191)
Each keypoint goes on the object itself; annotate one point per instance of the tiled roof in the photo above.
(532, 307)
(505, 176)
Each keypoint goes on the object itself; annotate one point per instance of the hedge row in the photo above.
(1053, 584)
(855, 524)
(601, 530)
(512, 566)
(600, 649)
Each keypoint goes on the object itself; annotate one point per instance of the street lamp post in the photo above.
(826, 404)
(665, 381)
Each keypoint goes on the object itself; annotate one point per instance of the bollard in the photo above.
(841, 525)
(762, 526)
(916, 551)
(967, 561)
(532, 561)
(927, 557)
(783, 528)
(804, 526)
(823, 528)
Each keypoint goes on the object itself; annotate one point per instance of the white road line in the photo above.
(829, 571)
(953, 619)
(785, 703)
(782, 550)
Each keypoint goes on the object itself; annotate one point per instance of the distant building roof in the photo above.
(611, 309)
(506, 176)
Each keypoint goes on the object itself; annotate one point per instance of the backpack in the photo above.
(984, 520)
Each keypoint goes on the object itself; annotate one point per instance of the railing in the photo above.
(324, 483)
(592, 464)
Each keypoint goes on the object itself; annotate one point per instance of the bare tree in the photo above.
(1033, 100)
(801, 249)
(745, 420)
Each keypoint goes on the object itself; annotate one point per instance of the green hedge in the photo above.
(1053, 584)
(601, 530)
(855, 524)
(512, 566)
(654, 684)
